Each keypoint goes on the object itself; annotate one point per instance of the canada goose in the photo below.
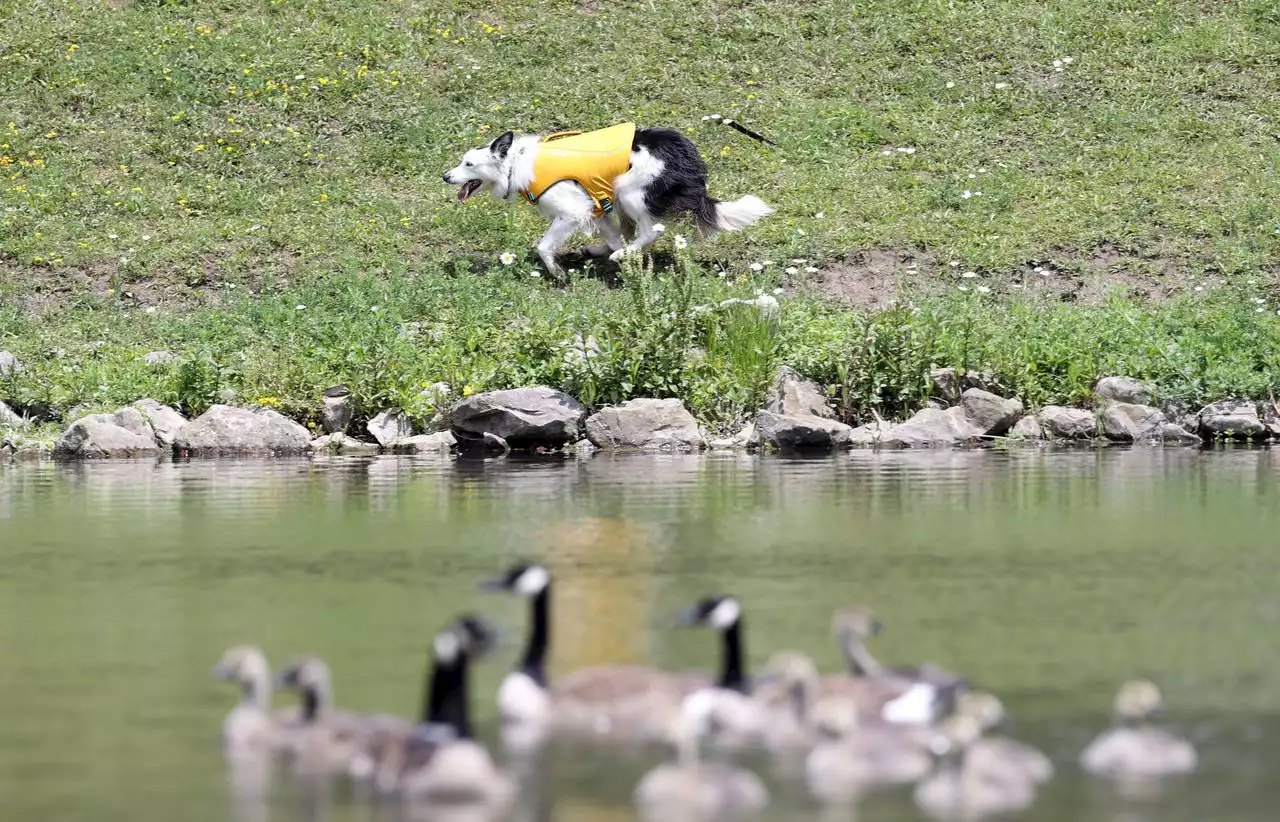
(607, 701)
(911, 696)
(962, 790)
(1000, 751)
(690, 787)
(1134, 748)
(438, 761)
(740, 720)
(851, 756)
(252, 725)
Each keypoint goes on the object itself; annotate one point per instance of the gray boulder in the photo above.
(645, 424)
(122, 434)
(931, 427)
(389, 426)
(238, 431)
(1131, 422)
(160, 358)
(524, 417)
(10, 418)
(440, 442)
(1174, 434)
(336, 412)
(869, 435)
(1063, 423)
(792, 395)
(9, 364)
(1027, 428)
(1122, 389)
(21, 449)
(339, 443)
(1232, 419)
(792, 433)
(164, 421)
(947, 382)
(745, 438)
(987, 413)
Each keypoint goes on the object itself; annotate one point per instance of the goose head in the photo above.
(525, 579)
(243, 663)
(855, 622)
(719, 612)
(835, 718)
(1137, 701)
(955, 737)
(982, 706)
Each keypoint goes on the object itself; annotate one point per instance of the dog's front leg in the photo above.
(646, 235)
(557, 235)
(609, 233)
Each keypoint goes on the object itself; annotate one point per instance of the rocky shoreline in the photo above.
(967, 410)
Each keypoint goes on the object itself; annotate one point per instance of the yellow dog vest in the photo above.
(592, 160)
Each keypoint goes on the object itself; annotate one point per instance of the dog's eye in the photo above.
(468, 164)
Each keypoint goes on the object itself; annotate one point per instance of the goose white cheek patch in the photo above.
(725, 615)
(447, 647)
(533, 581)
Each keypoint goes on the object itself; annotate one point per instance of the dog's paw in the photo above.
(625, 251)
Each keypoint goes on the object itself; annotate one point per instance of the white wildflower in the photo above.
(151, 309)
(756, 266)
(146, 237)
(954, 263)
(1068, 60)
(963, 287)
(798, 260)
(973, 176)
(300, 307)
(681, 242)
(907, 150)
(1057, 64)
(113, 236)
(1001, 86)
(792, 270)
(969, 275)
(715, 116)
(777, 291)
(506, 258)
(374, 309)
(1259, 300)
(984, 289)
(819, 215)
(1199, 288)
(535, 273)
(659, 228)
(966, 194)
(951, 84)
(1259, 310)
(1058, 68)
(299, 76)
(811, 269)
(887, 152)
(766, 262)
(982, 170)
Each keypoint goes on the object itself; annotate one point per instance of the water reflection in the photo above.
(1048, 578)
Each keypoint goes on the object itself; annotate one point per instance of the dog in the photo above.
(580, 182)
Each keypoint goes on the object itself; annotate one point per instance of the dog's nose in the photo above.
(446, 177)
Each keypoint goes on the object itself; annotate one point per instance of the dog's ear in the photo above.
(502, 145)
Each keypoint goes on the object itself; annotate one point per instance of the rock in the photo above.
(339, 443)
(226, 430)
(104, 435)
(987, 413)
(440, 442)
(22, 449)
(1232, 419)
(645, 423)
(1122, 389)
(584, 448)
(165, 422)
(10, 418)
(523, 417)
(1027, 428)
(389, 426)
(745, 438)
(160, 358)
(335, 413)
(1063, 423)
(1173, 434)
(931, 427)
(792, 395)
(1130, 422)
(789, 433)
(946, 381)
(870, 434)
(9, 365)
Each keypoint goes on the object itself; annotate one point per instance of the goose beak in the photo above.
(221, 671)
(688, 617)
(495, 584)
(287, 678)
(877, 627)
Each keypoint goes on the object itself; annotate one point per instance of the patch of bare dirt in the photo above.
(873, 278)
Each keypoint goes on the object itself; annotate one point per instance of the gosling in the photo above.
(252, 725)
(1000, 752)
(1134, 748)
(960, 789)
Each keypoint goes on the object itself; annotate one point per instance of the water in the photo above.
(1047, 578)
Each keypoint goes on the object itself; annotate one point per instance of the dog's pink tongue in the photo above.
(468, 188)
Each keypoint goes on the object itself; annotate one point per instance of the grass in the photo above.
(219, 164)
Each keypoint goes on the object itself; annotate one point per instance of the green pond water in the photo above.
(1048, 578)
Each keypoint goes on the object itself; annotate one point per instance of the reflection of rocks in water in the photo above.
(599, 617)
(415, 811)
(581, 809)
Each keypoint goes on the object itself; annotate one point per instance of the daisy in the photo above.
(969, 275)
(967, 194)
(792, 270)
(756, 266)
(299, 307)
(681, 242)
(811, 269)
(951, 84)
(984, 289)
(506, 258)
(659, 228)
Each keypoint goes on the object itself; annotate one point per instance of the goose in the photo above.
(1134, 748)
(600, 702)
(851, 756)
(438, 761)
(910, 696)
(689, 787)
(1001, 751)
(960, 789)
(251, 724)
(788, 689)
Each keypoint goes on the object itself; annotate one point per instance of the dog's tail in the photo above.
(732, 215)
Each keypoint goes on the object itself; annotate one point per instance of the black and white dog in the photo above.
(663, 175)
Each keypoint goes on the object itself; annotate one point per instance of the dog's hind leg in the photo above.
(646, 233)
(609, 233)
(557, 235)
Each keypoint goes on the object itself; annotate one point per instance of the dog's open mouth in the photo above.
(468, 188)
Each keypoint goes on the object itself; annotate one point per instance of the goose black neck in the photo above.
(731, 674)
(445, 701)
(310, 705)
(533, 664)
